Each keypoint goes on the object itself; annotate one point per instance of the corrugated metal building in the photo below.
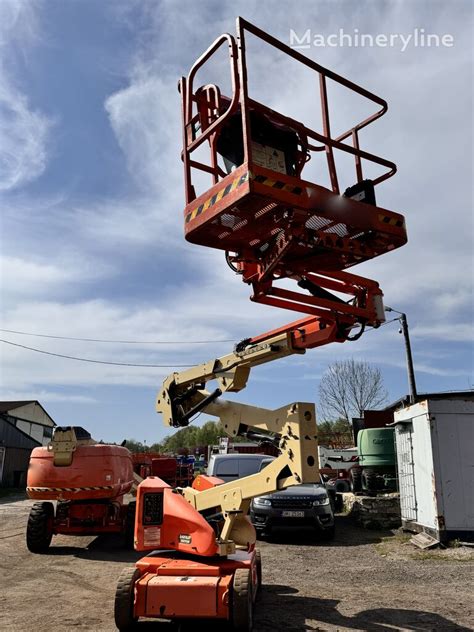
(23, 426)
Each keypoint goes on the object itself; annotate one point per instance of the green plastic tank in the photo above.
(376, 447)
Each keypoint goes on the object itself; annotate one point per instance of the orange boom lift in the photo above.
(89, 481)
(276, 229)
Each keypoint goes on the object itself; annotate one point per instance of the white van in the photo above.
(229, 467)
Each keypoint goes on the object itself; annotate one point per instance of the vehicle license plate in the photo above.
(293, 514)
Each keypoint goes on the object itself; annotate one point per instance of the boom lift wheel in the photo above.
(369, 480)
(124, 599)
(258, 565)
(39, 530)
(242, 603)
(356, 480)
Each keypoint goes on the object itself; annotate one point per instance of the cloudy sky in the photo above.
(92, 200)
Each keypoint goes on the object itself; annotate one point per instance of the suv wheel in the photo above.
(328, 533)
(263, 533)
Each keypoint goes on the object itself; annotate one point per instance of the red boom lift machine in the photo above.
(273, 225)
(89, 482)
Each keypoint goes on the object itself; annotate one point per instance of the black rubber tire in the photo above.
(258, 565)
(129, 531)
(342, 486)
(369, 480)
(328, 533)
(356, 480)
(39, 530)
(124, 599)
(242, 604)
(339, 504)
(331, 491)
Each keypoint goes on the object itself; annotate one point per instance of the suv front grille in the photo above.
(292, 502)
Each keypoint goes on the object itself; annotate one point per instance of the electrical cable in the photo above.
(68, 357)
(129, 364)
(125, 342)
(387, 322)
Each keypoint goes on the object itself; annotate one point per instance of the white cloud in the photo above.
(45, 396)
(145, 117)
(24, 135)
(18, 23)
(142, 221)
(449, 372)
(22, 278)
(26, 271)
(24, 132)
(103, 319)
(458, 332)
(428, 278)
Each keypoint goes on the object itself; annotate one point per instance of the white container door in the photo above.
(406, 472)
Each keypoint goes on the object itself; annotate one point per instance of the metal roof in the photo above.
(6, 406)
(405, 400)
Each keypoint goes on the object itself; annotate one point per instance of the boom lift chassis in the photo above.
(272, 225)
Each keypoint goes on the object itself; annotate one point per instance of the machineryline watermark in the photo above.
(418, 38)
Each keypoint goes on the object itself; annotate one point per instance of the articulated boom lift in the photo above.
(273, 226)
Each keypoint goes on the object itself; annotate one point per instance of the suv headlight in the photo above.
(262, 502)
(321, 501)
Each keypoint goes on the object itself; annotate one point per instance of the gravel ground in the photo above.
(363, 580)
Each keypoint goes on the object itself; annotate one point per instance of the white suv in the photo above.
(229, 467)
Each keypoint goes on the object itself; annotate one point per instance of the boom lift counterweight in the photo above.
(274, 226)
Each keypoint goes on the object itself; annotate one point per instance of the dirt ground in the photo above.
(364, 580)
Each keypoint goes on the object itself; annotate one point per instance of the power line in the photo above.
(125, 342)
(386, 322)
(68, 357)
(130, 364)
(137, 342)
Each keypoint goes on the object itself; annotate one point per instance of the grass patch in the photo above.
(397, 538)
(399, 547)
(389, 543)
(382, 549)
(402, 538)
(438, 556)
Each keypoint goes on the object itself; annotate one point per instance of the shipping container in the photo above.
(435, 460)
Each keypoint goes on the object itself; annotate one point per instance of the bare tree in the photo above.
(348, 387)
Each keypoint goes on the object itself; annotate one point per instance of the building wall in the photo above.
(33, 412)
(16, 448)
(15, 467)
(40, 433)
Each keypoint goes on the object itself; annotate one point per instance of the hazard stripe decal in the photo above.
(217, 197)
(67, 489)
(278, 184)
(391, 221)
(273, 184)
